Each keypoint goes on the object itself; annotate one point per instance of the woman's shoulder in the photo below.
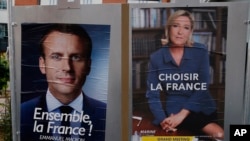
(158, 52)
(199, 45)
(197, 50)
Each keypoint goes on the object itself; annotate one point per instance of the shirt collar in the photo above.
(167, 57)
(53, 103)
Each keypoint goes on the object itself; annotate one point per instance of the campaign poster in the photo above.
(64, 81)
(166, 83)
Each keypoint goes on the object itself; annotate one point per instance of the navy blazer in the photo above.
(95, 109)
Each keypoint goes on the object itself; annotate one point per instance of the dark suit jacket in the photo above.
(95, 109)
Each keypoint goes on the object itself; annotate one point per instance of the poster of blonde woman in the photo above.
(178, 60)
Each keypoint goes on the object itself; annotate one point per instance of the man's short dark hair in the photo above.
(74, 29)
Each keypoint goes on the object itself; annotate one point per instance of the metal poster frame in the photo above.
(247, 78)
(73, 13)
(235, 58)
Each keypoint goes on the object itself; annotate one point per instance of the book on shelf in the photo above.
(204, 37)
(139, 74)
(144, 46)
(205, 18)
(148, 17)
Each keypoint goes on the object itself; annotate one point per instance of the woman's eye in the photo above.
(188, 28)
(175, 25)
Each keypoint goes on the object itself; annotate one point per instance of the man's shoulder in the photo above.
(95, 108)
(27, 109)
(29, 105)
(94, 102)
(31, 102)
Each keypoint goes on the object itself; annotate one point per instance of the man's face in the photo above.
(65, 64)
(180, 31)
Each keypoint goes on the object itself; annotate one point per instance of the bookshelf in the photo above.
(147, 30)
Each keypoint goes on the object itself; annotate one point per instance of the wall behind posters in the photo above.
(26, 2)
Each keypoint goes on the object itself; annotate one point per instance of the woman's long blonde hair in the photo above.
(170, 20)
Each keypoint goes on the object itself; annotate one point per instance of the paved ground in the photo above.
(1, 136)
(2, 100)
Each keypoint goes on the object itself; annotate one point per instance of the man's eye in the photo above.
(76, 58)
(56, 57)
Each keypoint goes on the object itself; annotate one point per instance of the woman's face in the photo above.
(180, 31)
